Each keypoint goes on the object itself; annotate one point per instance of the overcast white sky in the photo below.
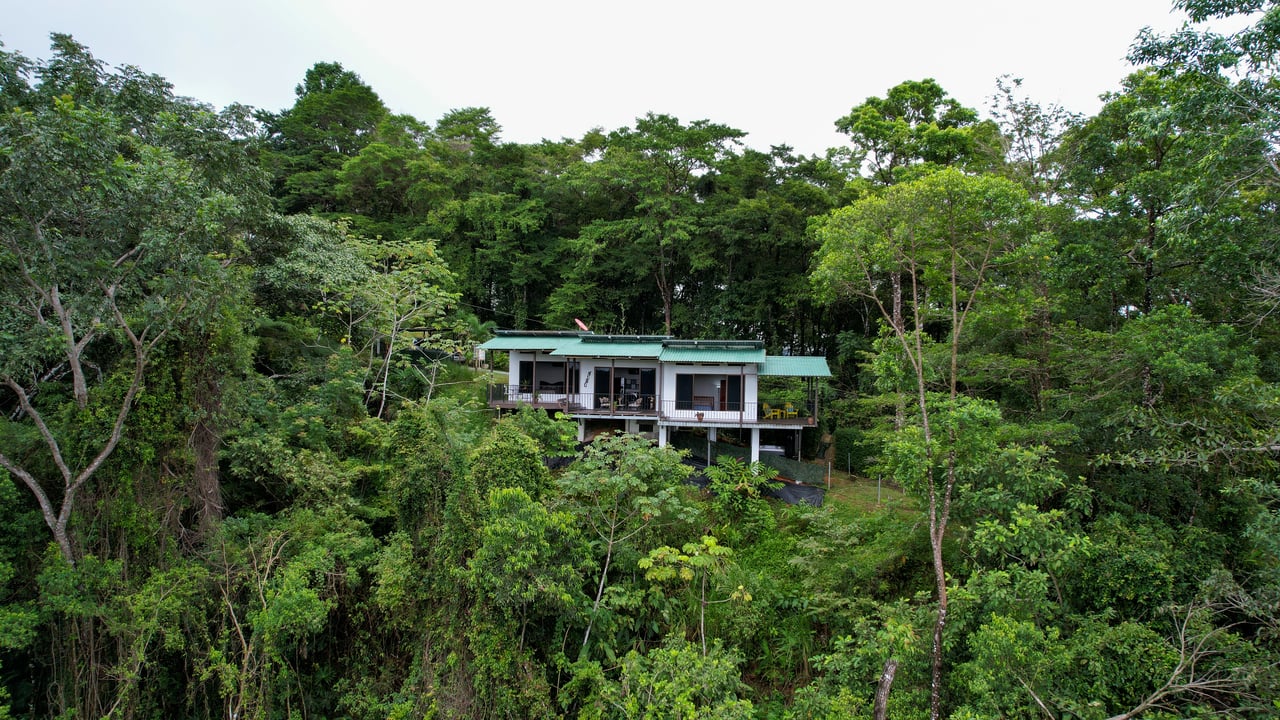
(781, 71)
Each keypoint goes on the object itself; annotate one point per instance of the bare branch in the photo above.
(1195, 676)
(46, 507)
(49, 440)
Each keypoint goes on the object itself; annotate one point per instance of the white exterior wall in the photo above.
(705, 382)
(707, 379)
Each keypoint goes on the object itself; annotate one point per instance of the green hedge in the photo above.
(807, 473)
(853, 450)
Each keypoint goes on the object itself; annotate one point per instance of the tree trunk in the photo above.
(900, 409)
(205, 441)
(664, 289)
(881, 711)
(74, 348)
(702, 615)
(604, 574)
(935, 683)
(204, 382)
(938, 519)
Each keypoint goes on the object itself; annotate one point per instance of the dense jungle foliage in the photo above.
(238, 486)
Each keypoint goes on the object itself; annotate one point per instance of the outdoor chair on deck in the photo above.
(769, 413)
(789, 411)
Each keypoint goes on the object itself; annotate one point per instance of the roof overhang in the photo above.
(712, 356)
(508, 341)
(630, 349)
(795, 366)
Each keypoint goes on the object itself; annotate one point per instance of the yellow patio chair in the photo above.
(789, 411)
(769, 413)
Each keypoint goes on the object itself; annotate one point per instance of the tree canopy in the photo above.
(249, 470)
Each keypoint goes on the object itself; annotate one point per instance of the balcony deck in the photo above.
(698, 412)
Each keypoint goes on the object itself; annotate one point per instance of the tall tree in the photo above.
(1031, 134)
(1241, 69)
(334, 117)
(108, 242)
(757, 211)
(1130, 170)
(1226, 89)
(656, 168)
(917, 123)
(947, 235)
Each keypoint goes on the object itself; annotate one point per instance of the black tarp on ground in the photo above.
(796, 494)
(698, 476)
(559, 462)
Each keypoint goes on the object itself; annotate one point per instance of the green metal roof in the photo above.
(715, 344)
(661, 348)
(795, 366)
(528, 342)
(737, 352)
(593, 338)
(594, 347)
(735, 356)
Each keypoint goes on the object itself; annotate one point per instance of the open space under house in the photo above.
(655, 384)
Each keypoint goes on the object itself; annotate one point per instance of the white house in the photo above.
(648, 383)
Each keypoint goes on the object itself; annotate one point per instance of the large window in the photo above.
(684, 392)
(548, 377)
(526, 376)
(731, 395)
(709, 392)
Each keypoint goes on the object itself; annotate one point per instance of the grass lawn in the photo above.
(859, 494)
